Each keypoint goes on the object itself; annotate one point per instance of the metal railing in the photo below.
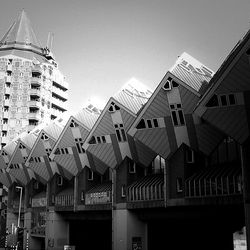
(98, 198)
(147, 189)
(64, 200)
(214, 181)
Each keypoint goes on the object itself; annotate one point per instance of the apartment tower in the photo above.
(32, 88)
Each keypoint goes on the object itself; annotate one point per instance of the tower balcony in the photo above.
(5, 114)
(34, 116)
(9, 68)
(35, 92)
(35, 104)
(60, 104)
(8, 79)
(31, 125)
(5, 139)
(60, 83)
(7, 102)
(60, 93)
(7, 90)
(37, 81)
(37, 70)
(5, 127)
(56, 113)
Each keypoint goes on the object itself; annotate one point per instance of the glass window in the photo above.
(223, 99)
(213, 102)
(177, 114)
(141, 124)
(179, 185)
(231, 98)
(120, 133)
(149, 123)
(155, 121)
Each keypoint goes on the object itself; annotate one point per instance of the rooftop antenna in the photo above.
(51, 40)
(48, 41)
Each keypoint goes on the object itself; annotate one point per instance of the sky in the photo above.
(101, 44)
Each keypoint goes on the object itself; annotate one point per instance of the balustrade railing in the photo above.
(215, 181)
(149, 188)
(64, 200)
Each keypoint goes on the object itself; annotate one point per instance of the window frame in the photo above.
(123, 191)
(177, 114)
(120, 132)
(90, 175)
(59, 181)
(190, 160)
(132, 167)
(179, 184)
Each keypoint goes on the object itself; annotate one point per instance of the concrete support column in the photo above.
(245, 164)
(57, 231)
(129, 231)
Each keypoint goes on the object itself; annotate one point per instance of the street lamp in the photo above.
(20, 205)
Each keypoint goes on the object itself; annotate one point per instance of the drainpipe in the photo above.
(113, 177)
(165, 183)
(245, 161)
(75, 192)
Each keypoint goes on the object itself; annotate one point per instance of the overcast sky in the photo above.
(100, 44)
